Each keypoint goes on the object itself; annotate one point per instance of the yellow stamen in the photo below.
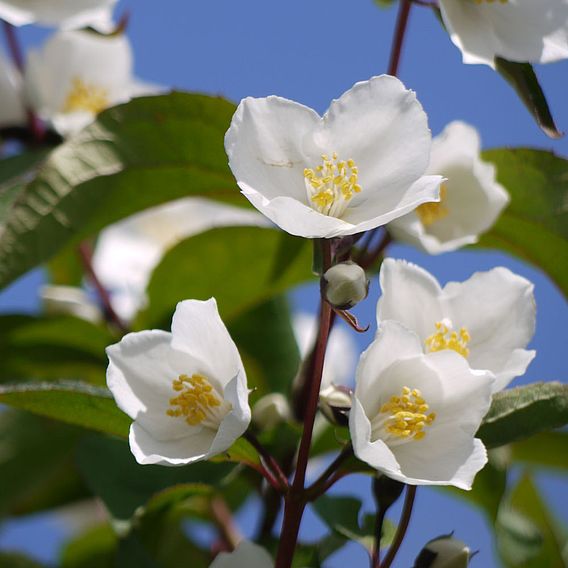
(197, 400)
(86, 97)
(431, 212)
(407, 416)
(446, 338)
(332, 184)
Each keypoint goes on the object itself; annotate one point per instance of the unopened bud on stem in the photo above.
(444, 552)
(345, 285)
(335, 403)
(271, 410)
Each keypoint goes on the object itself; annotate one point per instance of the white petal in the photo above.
(247, 554)
(518, 30)
(380, 124)
(506, 322)
(269, 143)
(410, 295)
(68, 13)
(179, 451)
(198, 330)
(12, 112)
(377, 454)
(392, 344)
(142, 367)
(237, 420)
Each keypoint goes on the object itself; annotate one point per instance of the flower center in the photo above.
(86, 97)
(431, 212)
(406, 417)
(198, 402)
(331, 185)
(446, 338)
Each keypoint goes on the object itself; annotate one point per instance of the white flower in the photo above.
(359, 166)
(535, 31)
(471, 198)
(489, 319)
(127, 252)
(12, 111)
(77, 74)
(63, 13)
(186, 390)
(414, 416)
(340, 356)
(247, 554)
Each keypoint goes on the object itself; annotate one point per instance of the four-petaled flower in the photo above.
(489, 319)
(470, 198)
(415, 415)
(186, 390)
(534, 31)
(359, 166)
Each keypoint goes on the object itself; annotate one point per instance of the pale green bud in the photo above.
(444, 552)
(271, 410)
(345, 285)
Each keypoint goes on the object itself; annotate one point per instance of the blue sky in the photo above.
(312, 52)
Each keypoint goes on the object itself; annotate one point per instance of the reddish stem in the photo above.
(295, 501)
(269, 461)
(34, 124)
(399, 35)
(87, 258)
(225, 522)
(402, 526)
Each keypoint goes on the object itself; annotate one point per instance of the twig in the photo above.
(317, 487)
(402, 526)
(225, 522)
(269, 460)
(86, 255)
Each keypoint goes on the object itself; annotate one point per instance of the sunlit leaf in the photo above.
(523, 411)
(75, 403)
(143, 153)
(534, 227)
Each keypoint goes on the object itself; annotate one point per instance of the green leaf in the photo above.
(235, 265)
(94, 548)
(547, 449)
(37, 471)
(16, 560)
(534, 227)
(47, 348)
(384, 3)
(124, 485)
(522, 78)
(538, 541)
(518, 539)
(113, 168)
(76, 403)
(341, 515)
(265, 339)
(240, 452)
(519, 413)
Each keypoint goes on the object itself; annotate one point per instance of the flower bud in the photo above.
(271, 410)
(345, 285)
(335, 403)
(443, 552)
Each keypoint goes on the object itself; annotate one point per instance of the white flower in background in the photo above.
(186, 390)
(271, 410)
(488, 319)
(415, 415)
(247, 554)
(127, 252)
(535, 31)
(359, 166)
(12, 111)
(61, 13)
(69, 300)
(77, 74)
(471, 199)
(341, 354)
